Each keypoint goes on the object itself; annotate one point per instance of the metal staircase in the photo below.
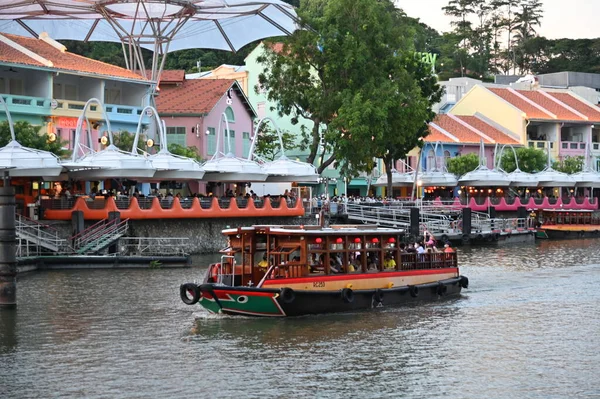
(38, 237)
(99, 236)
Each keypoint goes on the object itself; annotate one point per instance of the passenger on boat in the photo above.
(372, 261)
(419, 248)
(389, 262)
(263, 264)
(448, 249)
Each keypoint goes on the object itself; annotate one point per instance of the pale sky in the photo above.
(574, 19)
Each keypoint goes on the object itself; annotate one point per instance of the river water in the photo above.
(527, 327)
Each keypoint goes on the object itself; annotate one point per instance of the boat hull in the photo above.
(570, 232)
(282, 302)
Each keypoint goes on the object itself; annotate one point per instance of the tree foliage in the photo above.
(267, 144)
(188, 152)
(356, 78)
(569, 164)
(28, 136)
(124, 141)
(530, 160)
(463, 164)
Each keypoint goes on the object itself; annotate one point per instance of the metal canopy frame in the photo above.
(151, 24)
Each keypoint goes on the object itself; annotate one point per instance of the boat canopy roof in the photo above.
(318, 230)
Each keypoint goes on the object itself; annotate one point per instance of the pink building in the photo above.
(193, 113)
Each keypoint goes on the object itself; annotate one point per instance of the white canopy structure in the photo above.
(398, 179)
(226, 167)
(484, 177)
(439, 175)
(284, 169)
(517, 177)
(168, 166)
(110, 163)
(553, 178)
(587, 177)
(26, 162)
(159, 25)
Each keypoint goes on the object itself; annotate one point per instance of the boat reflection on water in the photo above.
(391, 322)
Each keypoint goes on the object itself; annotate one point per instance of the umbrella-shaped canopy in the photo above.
(286, 170)
(437, 178)
(519, 178)
(26, 162)
(587, 178)
(398, 179)
(110, 163)
(168, 166)
(439, 175)
(283, 169)
(159, 25)
(229, 168)
(553, 178)
(484, 177)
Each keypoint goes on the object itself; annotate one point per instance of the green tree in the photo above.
(526, 19)
(188, 152)
(569, 164)
(530, 160)
(123, 140)
(351, 76)
(463, 164)
(267, 143)
(28, 136)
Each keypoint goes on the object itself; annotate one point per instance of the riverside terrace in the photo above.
(170, 208)
(213, 207)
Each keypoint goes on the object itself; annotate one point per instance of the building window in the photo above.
(229, 114)
(211, 141)
(176, 135)
(246, 144)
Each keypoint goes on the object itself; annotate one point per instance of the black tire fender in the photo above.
(189, 288)
(581, 233)
(441, 289)
(378, 295)
(287, 295)
(444, 238)
(348, 295)
(496, 236)
(413, 290)
(466, 239)
(464, 282)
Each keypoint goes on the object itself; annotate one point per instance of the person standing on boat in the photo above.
(263, 264)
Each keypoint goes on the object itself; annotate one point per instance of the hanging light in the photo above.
(339, 240)
(318, 240)
(357, 240)
(375, 240)
(392, 240)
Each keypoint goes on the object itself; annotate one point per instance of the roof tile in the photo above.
(194, 96)
(65, 61)
(591, 112)
(531, 111)
(464, 134)
(561, 112)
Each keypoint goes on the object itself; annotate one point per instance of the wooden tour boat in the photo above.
(297, 270)
(553, 223)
